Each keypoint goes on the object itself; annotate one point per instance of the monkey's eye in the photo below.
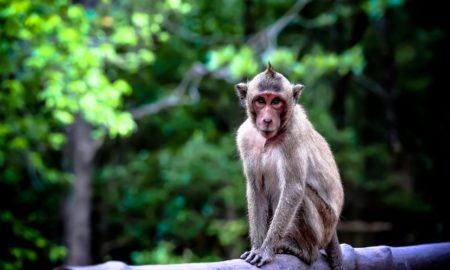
(261, 100)
(276, 101)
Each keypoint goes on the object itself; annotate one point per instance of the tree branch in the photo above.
(189, 83)
(427, 256)
(372, 86)
(265, 40)
(196, 38)
(261, 42)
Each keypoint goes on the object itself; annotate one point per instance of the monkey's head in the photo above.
(269, 99)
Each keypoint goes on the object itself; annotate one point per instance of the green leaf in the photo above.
(243, 64)
(19, 143)
(57, 253)
(63, 116)
(140, 19)
(146, 55)
(75, 12)
(122, 87)
(57, 140)
(125, 35)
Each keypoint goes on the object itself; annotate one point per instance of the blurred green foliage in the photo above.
(169, 188)
(195, 198)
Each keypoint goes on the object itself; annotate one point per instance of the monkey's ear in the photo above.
(297, 90)
(241, 90)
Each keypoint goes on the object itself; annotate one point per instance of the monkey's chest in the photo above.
(267, 173)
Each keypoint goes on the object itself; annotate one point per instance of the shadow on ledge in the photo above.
(427, 256)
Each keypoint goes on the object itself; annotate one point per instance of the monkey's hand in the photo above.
(258, 257)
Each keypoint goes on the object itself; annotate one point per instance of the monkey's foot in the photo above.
(335, 263)
(289, 250)
(258, 257)
(292, 248)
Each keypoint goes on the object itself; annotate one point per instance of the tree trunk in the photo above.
(78, 205)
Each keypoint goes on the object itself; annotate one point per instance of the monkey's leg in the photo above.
(303, 250)
(334, 253)
(302, 236)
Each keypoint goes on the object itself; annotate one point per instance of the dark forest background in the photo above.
(117, 122)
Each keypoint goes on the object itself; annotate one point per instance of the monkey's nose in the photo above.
(267, 121)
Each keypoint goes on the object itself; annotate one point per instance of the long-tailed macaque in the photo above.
(294, 191)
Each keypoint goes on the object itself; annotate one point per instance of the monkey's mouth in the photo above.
(268, 133)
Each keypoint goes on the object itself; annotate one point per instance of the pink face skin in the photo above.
(268, 107)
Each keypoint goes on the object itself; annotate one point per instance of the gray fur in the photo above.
(270, 83)
(294, 190)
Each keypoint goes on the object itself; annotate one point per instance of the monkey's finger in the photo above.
(263, 262)
(245, 255)
(256, 260)
(250, 257)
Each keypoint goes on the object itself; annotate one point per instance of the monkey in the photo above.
(293, 187)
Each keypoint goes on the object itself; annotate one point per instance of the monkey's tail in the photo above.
(334, 253)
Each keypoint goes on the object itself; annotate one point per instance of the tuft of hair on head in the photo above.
(270, 71)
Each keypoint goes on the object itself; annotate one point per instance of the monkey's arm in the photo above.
(292, 177)
(257, 215)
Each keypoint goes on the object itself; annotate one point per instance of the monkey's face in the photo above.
(269, 99)
(268, 108)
